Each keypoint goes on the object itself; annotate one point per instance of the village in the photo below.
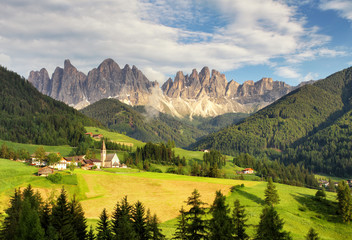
(110, 160)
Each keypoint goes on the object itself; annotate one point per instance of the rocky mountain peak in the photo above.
(108, 80)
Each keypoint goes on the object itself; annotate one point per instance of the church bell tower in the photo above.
(103, 155)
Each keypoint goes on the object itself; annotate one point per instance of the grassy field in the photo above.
(114, 136)
(63, 150)
(164, 194)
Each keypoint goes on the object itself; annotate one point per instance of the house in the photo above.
(109, 160)
(248, 171)
(37, 162)
(89, 133)
(62, 165)
(75, 159)
(98, 136)
(87, 164)
(96, 162)
(45, 171)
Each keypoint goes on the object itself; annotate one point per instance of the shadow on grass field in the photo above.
(323, 208)
(251, 197)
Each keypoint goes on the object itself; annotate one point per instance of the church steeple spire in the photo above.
(103, 154)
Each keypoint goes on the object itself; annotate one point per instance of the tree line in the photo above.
(29, 217)
(292, 174)
(220, 223)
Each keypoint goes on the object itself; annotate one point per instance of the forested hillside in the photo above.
(311, 125)
(27, 116)
(160, 128)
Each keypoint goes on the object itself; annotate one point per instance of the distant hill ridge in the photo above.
(27, 116)
(198, 94)
(311, 125)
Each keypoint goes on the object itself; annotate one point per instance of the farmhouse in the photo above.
(45, 171)
(248, 171)
(96, 162)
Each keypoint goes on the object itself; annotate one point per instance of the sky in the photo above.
(287, 40)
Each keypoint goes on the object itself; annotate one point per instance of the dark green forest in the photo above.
(310, 125)
(27, 116)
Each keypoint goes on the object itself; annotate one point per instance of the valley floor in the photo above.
(164, 194)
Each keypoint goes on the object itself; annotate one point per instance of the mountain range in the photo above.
(198, 94)
(107, 81)
(311, 126)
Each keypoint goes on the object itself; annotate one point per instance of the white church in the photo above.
(110, 160)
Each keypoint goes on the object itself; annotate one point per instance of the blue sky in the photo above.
(291, 41)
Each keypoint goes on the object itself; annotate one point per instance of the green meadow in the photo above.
(164, 194)
(63, 150)
(114, 136)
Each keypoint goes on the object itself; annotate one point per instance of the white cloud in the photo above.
(153, 75)
(310, 76)
(4, 60)
(343, 7)
(156, 36)
(287, 72)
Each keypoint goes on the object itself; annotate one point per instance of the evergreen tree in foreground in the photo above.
(271, 196)
(61, 216)
(180, 232)
(10, 224)
(312, 235)
(29, 226)
(196, 227)
(91, 235)
(270, 226)
(79, 222)
(344, 199)
(140, 221)
(122, 226)
(239, 221)
(103, 227)
(220, 226)
(153, 227)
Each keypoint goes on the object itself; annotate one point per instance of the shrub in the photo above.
(55, 178)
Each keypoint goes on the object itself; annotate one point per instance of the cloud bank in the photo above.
(159, 36)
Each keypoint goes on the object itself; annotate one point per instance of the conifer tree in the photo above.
(180, 232)
(29, 226)
(153, 227)
(220, 225)
(91, 235)
(10, 224)
(344, 199)
(320, 194)
(270, 226)
(312, 235)
(78, 220)
(271, 196)
(196, 227)
(140, 221)
(239, 221)
(62, 218)
(103, 227)
(331, 186)
(122, 226)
